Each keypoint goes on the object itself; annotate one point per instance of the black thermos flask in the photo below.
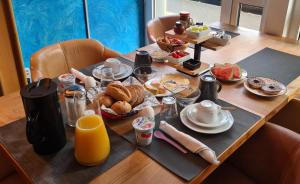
(44, 128)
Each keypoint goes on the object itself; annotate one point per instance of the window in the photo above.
(250, 16)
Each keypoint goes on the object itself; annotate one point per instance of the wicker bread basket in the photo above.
(170, 47)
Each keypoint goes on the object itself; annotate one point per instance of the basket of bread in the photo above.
(121, 100)
(171, 44)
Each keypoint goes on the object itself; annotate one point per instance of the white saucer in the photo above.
(222, 118)
(196, 128)
(125, 71)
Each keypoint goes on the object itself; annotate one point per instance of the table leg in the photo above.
(197, 52)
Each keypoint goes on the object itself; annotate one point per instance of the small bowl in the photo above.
(191, 64)
(145, 73)
(187, 97)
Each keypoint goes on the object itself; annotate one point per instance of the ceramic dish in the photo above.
(125, 71)
(222, 118)
(244, 75)
(259, 92)
(148, 83)
(226, 126)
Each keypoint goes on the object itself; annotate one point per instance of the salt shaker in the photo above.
(75, 99)
(169, 109)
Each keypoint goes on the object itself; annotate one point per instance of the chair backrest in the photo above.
(158, 26)
(57, 59)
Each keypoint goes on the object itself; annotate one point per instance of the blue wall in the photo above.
(118, 24)
(44, 22)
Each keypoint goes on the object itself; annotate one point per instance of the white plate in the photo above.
(259, 92)
(125, 71)
(222, 118)
(204, 130)
(167, 93)
(244, 75)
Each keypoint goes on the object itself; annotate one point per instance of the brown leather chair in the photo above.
(157, 27)
(8, 174)
(288, 116)
(272, 155)
(57, 59)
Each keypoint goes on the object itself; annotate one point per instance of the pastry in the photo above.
(133, 93)
(255, 82)
(118, 92)
(140, 94)
(271, 89)
(121, 107)
(106, 100)
(137, 94)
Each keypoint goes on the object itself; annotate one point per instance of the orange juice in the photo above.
(91, 140)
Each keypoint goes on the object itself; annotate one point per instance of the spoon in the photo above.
(160, 135)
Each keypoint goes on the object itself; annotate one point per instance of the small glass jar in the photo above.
(75, 100)
(185, 19)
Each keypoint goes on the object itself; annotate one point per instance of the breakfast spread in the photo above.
(271, 88)
(266, 86)
(226, 71)
(255, 82)
(120, 98)
(169, 82)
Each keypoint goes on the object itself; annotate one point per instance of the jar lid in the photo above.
(184, 13)
(75, 91)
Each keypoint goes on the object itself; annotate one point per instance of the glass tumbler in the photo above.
(107, 76)
(169, 109)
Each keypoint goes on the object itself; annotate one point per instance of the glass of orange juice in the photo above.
(92, 145)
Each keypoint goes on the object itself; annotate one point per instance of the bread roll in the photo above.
(118, 92)
(140, 93)
(121, 107)
(133, 93)
(106, 100)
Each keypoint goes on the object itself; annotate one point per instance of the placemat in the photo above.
(273, 64)
(62, 166)
(187, 166)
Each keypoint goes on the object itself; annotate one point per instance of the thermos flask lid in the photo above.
(41, 88)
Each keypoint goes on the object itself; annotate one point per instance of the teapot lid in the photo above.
(41, 88)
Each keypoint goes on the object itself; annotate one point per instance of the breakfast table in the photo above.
(138, 167)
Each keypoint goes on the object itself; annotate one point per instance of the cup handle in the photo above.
(219, 86)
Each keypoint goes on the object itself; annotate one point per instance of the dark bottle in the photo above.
(44, 128)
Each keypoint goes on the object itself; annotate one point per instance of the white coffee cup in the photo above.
(114, 64)
(206, 112)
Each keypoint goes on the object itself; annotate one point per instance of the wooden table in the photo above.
(139, 168)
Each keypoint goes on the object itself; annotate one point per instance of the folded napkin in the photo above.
(78, 74)
(189, 142)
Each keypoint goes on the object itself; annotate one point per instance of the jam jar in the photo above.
(185, 19)
(179, 28)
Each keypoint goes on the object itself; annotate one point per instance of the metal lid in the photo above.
(41, 88)
(208, 78)
(75, 91)
(169, 100)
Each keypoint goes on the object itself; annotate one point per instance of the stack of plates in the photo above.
(222, 124)
(125, 71)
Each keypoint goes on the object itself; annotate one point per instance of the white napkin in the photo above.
(189, 142)
(78, 74)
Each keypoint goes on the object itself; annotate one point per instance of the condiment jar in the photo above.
(185, 19)
(75, 99)
(178, 28)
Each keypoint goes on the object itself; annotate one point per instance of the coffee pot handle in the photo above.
(219, 86)
(32, 129)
